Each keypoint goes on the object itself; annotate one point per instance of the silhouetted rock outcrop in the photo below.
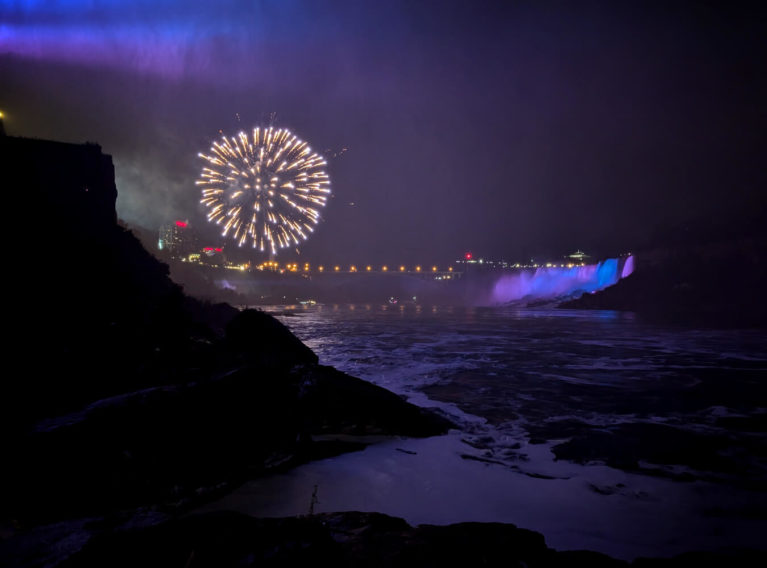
(258, 338)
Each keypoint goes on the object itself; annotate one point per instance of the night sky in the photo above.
(509, 129)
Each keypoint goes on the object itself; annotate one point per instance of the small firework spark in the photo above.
(266, 188)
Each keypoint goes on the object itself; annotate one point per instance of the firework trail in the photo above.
(266, 188)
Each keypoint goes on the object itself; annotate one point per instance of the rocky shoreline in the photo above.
(153, 410)
(225, 538)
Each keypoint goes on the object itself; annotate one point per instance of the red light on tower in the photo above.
(467, 256)
(181, 224)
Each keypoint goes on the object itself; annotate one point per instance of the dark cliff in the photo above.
(122, 391)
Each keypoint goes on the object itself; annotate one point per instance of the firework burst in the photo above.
(267, 188)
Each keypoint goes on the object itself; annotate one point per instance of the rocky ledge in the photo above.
(174, 444)
(223, 539)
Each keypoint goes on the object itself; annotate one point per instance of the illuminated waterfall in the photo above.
(560, 282)
(628, 267)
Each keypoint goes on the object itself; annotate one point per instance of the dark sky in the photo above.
(509, 129)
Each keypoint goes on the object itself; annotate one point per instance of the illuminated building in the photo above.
(179, 240)
(578, 256)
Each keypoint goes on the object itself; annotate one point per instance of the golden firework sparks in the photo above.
(267, 188)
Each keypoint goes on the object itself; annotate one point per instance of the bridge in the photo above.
(430, 272)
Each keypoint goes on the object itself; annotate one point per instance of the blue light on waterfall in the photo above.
(559, 282)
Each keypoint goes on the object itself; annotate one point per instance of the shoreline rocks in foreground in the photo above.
(173, 442)
(222, 539)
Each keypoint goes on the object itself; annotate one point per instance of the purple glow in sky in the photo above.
(147, 37)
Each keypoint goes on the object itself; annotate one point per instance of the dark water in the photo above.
(533, 368)
(600, 430)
